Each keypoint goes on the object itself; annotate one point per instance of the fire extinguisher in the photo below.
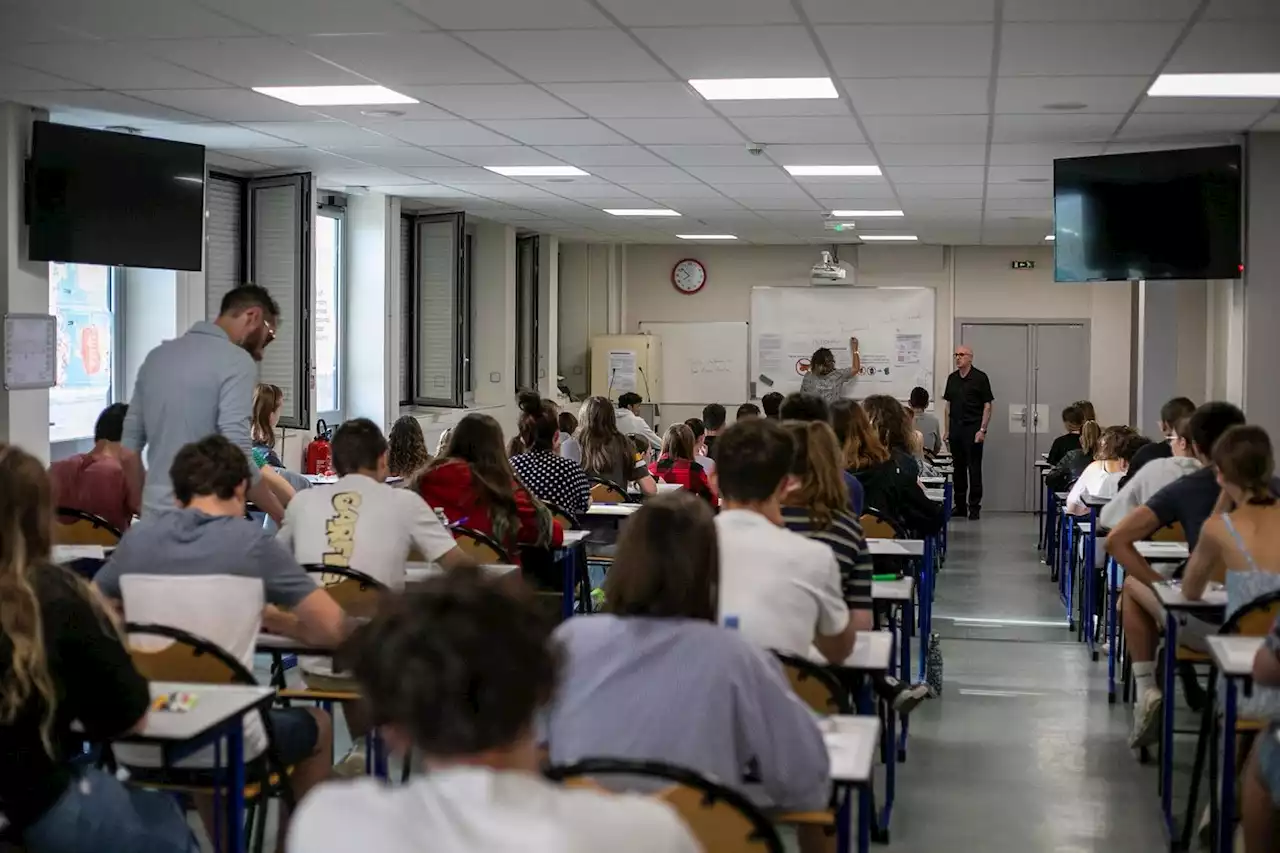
(318, 457)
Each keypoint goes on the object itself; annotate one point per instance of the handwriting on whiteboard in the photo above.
(699, 366)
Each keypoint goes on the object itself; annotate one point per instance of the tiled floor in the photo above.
(1022, 753)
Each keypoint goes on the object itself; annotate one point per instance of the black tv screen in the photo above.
(1157, 215)
(96, 197)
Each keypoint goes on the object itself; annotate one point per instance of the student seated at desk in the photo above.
(102, 481)
(362, 523)
(1069, 468)
(893, 426)
(456, 673)
(1170, 413)
(784, 589)
(1189, 500)
(655, 678)
(747, 411)
(268, 404)
(1137, 489)
(808, 408)
(569, 447)
(676, 464)
(713, 418)
(407, 449)
(1101, 478)
(61, 660)
(607, 453)
(548, 475)
(631, 424)
(473, 483)
(209, 545)
(1260, 784)
(926, 423)
(1072, 423)
(890, 491)
(700, 445)
(772, 403)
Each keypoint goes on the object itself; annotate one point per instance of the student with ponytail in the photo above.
(539, 466)
(676, 464)
(62, 660)
(1070, 467)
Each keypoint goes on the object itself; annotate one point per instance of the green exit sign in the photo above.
(1023, 265)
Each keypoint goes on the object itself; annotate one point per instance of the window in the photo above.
(327, 311)
(83, 298)
(436, 323)
(527, 312)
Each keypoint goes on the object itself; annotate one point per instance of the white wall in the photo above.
(150, 318)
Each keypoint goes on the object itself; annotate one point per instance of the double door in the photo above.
(1036, 370)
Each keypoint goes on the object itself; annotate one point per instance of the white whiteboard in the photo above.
(702, 362)
(894, 327)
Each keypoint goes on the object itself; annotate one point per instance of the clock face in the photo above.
(689, 276)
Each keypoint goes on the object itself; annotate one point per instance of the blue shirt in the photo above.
(856, 500)
(189, 388)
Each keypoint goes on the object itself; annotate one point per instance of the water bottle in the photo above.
(731, 622)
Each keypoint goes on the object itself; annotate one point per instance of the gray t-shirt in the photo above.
(830, 386)
(189, 542)
(930, 430)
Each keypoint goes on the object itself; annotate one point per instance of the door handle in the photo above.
(1035, 417)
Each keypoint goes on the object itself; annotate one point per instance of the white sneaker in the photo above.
(1146, 719)
(906, 701)
(353, 764)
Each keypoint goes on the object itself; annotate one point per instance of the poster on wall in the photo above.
(622, 371)
(80, 299)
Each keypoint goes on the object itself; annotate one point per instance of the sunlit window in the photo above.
(82, 297)
(327, 313)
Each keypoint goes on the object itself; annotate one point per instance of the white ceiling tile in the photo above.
(493, 101)
(233, 105)
(949, 207)
(408, 112)
(496, 155)
(1271, 122)
(397, 157)
(321, 134)
(437, 133)
(1241, 10)
(1164, 124)
(220, 160)
(633, 100)
(1042, 192)
(522, 192)
(320, 17)
(927, 129)
(819, 155)
(593, 194)
(407, 59)
(432, 191)
(924, 50)
(1240, 106)
(246, 62)
(1085, 49)
(295, 158)
(713, 52)
(586, 156)
(107, 66)
(216, 135)
(835, 195)
(676, 131)
(773, 203)
(1098, 94)
(899, 11)
(507, 15)
(934, 174)
(1016, 174)
(455, 174)
(645, 175)
(665, 192)
(800, 129)
(95, 108)
(762, 174)
(763, 191)
(1010, 154)
(569, 56)
(359, 176)
(1054, 127)
(15, 78)
(556, 131)
(918, 95)
(27, 22)
(706, 155)
(783, 108)
(1223, 47)
(693, 13)
(141, 19)
(940, 191)
(970, 154)
(1099, 10)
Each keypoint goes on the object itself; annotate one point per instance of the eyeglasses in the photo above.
(271, 330)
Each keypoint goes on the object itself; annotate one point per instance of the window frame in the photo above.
(338, 213)
(115, 307)
(460, 392)
(528, 246)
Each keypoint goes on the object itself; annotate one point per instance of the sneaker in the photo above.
(974, 513)
(907, 700)
(959, 512)
(1146, 719)
(353, 764)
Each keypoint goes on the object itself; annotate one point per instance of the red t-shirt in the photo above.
(95, 484)
(449, 488)
(684, 472)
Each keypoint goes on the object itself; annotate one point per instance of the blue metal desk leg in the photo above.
(908, 624)
(1067, 567)
(1227, 781)
(1110, 580)
(844, 816)
(864, 818)
(236, 799)
(1090, 578)
(220, 841)
(1166, 731)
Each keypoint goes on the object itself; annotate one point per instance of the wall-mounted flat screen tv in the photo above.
(1155, 215)
(95, 197)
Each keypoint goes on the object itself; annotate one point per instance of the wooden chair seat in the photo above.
(75, 527)
(806, 818)
(307, 694)
(1186, 655)
(252, 790)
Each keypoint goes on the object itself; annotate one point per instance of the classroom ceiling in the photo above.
(964, 104)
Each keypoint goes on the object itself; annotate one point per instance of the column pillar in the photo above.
(1261, 290)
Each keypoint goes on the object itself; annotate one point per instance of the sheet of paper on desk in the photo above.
(68, 553)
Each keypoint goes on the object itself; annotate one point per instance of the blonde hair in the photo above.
(1090, 436)
(266, 399)
(862, 445)
(822, 491)
(678, 442)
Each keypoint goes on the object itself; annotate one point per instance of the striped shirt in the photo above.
(844, 536)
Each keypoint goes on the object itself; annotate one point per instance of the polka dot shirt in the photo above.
(554, 479)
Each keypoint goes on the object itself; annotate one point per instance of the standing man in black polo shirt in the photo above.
(968, 411)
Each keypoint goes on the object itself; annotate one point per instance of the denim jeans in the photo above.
(99, 814)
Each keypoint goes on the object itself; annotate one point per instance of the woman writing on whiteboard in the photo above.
(826, 380)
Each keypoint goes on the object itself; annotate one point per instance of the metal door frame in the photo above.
(1032, 386)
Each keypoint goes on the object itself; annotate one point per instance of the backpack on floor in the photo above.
(934, 676)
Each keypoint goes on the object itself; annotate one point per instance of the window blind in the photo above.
(224, 239)
(439, 308)
(406, 310)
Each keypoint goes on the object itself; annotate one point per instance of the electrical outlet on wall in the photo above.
(495, 377)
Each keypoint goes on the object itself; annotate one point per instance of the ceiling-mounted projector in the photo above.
(830, 272)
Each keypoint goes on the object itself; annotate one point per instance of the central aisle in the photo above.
(1022, 753)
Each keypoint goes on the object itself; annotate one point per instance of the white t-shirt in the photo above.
(782, 586)
(1095, 481)
(479, 810)
(359, 523)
